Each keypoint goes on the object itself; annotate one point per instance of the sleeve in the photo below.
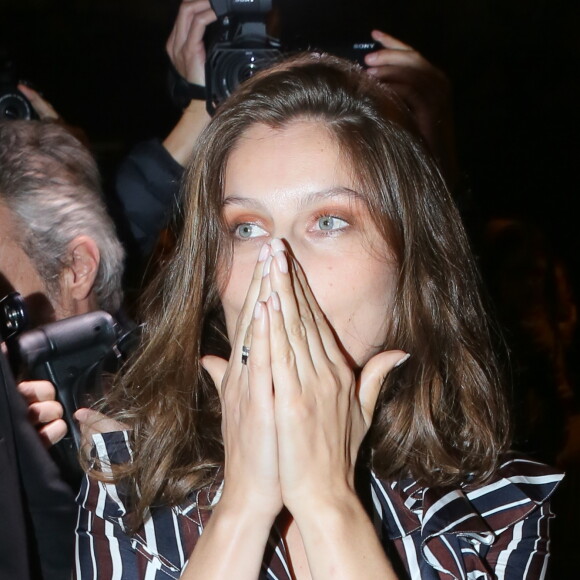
(147, 189)
(498, 531)
(103, 546)
(522, 551)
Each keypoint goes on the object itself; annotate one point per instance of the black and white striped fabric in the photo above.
(499, 530)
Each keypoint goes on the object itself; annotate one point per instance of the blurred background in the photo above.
(514, 66)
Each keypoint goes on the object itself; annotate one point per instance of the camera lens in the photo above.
(230, 67)
(14, 106)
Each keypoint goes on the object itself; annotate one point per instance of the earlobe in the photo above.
(82, 269)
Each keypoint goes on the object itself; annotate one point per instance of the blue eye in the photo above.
(329, 223)
(246, 231)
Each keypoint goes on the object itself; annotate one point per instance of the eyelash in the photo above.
(320, 216)
(234, 230)
(236, 225)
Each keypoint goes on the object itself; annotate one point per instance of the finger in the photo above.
(185, 46)
(264, 292)
(91, 422)
(326, 336)
(252, 296)
(388, 41)
(285, 377)
(389, 57)
(372, 378)
(259, 361)
(298, 325)
(53, 432)
(216, 368)
(44, 412)
(35, 391)
(42, 107)
(198, 26)
(186, 14)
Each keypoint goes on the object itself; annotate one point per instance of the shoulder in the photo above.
(448, 526)
(106, 499)
(105, 538)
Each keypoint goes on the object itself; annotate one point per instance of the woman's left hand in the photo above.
(322, 410)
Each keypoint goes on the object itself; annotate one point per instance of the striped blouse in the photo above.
(499, 530)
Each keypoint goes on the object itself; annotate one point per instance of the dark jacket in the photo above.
(37, 509)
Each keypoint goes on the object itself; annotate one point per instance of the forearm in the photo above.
(179, 143)
(232, 546)
(341, 543)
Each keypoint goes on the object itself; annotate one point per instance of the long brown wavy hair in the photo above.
(441, 417)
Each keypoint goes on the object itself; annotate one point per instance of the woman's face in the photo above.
(293, 184)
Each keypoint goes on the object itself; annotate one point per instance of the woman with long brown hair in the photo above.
(316, 394)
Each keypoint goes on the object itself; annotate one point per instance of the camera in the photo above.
(238, 47)
(13, 104)
(75, 354)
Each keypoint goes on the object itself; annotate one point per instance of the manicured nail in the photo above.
(258, 309)
(282, 262)
(403, 360)
(275, 300)
(267, 265)
(277, 245)
(371, 58)
(264, 253)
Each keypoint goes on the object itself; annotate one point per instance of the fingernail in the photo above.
(267, 265)
(280, 258)
(264, 253)
(403, 360)
(275, 300)
(277, 245)
(258, 309)
(371, 58)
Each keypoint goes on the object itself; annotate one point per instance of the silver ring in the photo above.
(245, 354)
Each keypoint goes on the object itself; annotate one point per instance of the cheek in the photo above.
(356, 297)
(235, 289)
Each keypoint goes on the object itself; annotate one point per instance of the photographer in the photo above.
(58, 249)
(148, 180)
(37, 506)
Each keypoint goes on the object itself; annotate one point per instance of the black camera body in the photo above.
(75, 354)
(238, 47)
(13, 104)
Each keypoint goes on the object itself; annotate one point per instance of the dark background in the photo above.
(514, 65)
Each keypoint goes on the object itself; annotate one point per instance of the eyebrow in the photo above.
(309, 199)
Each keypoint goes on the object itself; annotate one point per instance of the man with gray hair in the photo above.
(60, 251)
(58, 245)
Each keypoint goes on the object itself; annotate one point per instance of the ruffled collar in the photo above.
(476, 515)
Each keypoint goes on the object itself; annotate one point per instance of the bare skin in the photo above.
(294, 417)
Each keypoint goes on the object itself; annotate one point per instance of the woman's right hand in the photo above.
(251, 478)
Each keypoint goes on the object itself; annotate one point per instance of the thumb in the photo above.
(216, 367)
(91, 423)
(373, 376)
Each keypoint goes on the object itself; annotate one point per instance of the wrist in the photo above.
(329, 522)
(242, 515)
(334, 502)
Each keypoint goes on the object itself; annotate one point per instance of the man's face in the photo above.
(18, 274)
